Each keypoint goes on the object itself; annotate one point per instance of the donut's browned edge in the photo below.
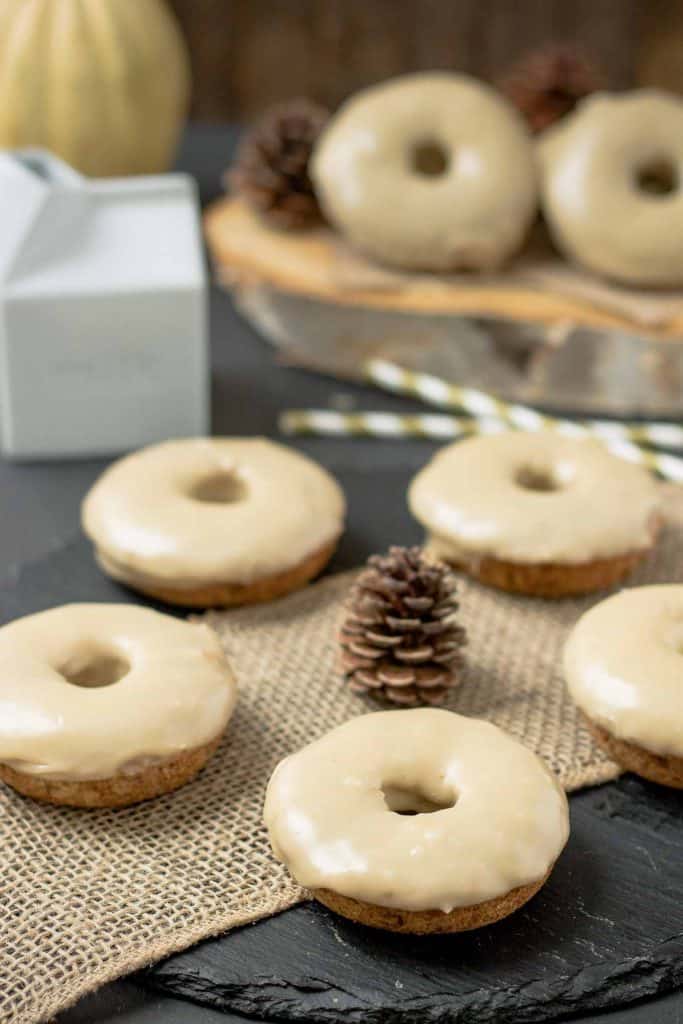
(551, 579)
(120, 790)
(226, 595)
(666, 770)
(430, 922)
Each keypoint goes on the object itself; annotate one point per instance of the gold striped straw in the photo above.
(326, 423)
(442, 427)
(438, 392)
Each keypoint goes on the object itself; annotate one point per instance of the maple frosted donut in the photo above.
(537, 513)
(612, 186)
(103, 705)
(417, 821)
(214, 521)
(430, 171)
(623, 664)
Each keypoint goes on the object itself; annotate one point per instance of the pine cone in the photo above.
(399, 639)
(547, 84)
(271, 168)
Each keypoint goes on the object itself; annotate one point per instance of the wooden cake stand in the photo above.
(541, 332)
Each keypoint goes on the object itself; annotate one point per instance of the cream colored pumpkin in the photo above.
(102, 83)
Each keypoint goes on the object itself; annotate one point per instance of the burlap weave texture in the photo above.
(86, 896)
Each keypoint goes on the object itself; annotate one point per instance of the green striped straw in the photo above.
(438, 392)
(441, 427)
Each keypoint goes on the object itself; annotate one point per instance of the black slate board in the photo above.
(606, 930)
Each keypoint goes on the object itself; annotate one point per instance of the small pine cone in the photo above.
(271, 167)
(399, 639)
(547, 84)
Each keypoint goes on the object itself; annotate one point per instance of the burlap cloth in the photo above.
(86, 896)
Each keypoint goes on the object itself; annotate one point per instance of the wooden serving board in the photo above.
(541, 331)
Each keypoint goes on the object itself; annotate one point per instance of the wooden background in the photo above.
(249, 53)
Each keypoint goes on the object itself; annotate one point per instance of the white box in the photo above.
(103, 321)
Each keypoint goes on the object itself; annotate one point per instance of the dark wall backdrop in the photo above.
(249, 53)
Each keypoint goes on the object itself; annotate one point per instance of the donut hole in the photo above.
(400, 800)
(222, 488)
(658, 177)
(95, 668)
(536, 478)
(429, 158)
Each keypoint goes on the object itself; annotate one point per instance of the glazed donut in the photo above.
(612, 186)
(349, 815)
(430, 171)
(105, 705)
(214, 521)
(623, 663)
(536, 513)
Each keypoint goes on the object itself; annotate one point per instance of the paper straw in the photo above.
(436, 391)
(324, 423)
(441, 427)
